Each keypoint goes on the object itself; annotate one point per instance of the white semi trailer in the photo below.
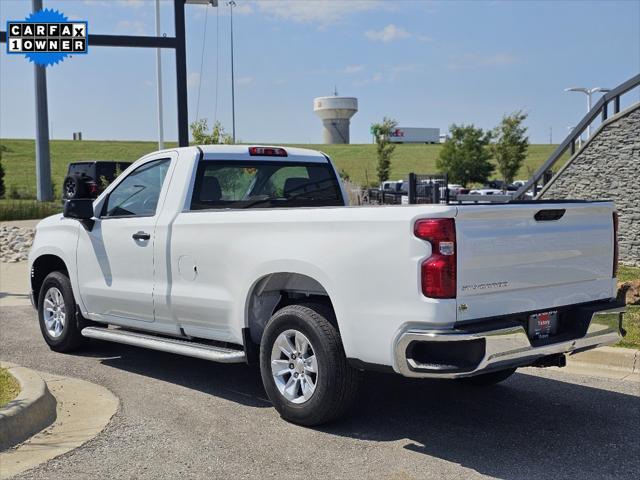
(415, 135)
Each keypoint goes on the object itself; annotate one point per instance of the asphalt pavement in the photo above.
(187, 418)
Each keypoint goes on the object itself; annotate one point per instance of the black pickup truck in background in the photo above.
(89, 178)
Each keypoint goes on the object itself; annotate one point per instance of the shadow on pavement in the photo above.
(526, 427)
(238, 383)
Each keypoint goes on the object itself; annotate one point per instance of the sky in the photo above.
(423, 63)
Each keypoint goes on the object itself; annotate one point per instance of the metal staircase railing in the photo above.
(601, 108)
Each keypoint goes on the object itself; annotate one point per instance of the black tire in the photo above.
(336, 384)
(69, 338)
(487, 379)
(74, 186)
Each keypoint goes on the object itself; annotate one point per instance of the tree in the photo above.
(465, 156)
(510, 146)
(199, 129)
(384, 148)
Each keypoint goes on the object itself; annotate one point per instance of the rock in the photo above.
(630, 291)
(15, 243)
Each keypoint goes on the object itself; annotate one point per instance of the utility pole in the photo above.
(43, 157)
(159, 81)
(550, 135)
(232, 4)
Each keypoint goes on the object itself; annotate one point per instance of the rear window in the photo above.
(111, 170)
(256, 184)
(81, 169)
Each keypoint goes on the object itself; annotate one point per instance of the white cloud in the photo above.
(245, 80)
(352, 69)
(477, 60)
(387, 34)
(423, 38)
(131, 27)
(322, 12)
(403, 68)
(386, 74)
(193, 79)
(392, 32)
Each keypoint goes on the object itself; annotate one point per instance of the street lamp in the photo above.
(588, 92)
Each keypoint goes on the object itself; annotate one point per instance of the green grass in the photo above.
(631, 324)
(19, 161)
(359, 161)
(9, 387)
(632, 317)
(27, 209)
(628, 273)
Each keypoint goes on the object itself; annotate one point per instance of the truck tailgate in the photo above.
(520, 257)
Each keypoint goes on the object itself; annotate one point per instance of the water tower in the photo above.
(335, 113)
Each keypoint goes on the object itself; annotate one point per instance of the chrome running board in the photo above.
(164, 344)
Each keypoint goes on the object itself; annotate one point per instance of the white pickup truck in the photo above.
(251, 254)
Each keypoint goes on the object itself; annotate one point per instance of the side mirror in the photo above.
(78, 208)
(81, 209)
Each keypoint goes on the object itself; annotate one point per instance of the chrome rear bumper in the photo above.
(504, 348)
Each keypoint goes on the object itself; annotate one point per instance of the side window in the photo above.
(138, 194)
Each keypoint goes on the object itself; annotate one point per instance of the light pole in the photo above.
(159, 81)
(233, 93)
(588, 92)
(43, 158)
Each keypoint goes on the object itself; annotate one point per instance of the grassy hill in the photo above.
(359, 161)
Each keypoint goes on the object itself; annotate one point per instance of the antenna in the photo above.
(335, 90)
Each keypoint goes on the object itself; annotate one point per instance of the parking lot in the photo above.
(186, 418)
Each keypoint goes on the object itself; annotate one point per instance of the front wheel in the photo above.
(60, 323)
(304, 368)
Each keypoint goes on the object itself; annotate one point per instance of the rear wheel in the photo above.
(490, 378)
(60, 323)
(304, 368)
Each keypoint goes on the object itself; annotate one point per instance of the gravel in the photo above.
(185, 418)
(15, 243)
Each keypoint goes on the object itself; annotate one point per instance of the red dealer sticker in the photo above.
(543, 325)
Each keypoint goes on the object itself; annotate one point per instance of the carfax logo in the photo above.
(46, 37)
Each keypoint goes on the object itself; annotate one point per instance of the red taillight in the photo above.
(267, 152)
(615, 244)
(438, 272)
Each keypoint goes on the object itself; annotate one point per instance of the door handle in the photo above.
(141, 236)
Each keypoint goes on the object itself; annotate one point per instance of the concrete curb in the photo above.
(31, 411)
(621, 361)
(84, 410)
